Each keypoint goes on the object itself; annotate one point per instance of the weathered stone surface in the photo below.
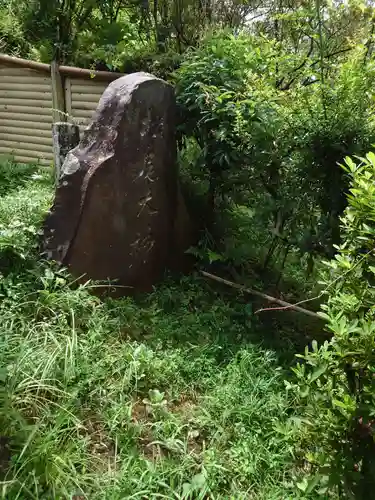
(116, 202)
(65, 137)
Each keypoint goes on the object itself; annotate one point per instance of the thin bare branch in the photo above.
(242, 288)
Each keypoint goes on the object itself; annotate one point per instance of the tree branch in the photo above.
(370, 40)
(310, 82)
(285, 305)
(287, 86)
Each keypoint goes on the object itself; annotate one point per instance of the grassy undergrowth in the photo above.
(172, 395)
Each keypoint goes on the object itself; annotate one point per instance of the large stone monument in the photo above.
(117, 203)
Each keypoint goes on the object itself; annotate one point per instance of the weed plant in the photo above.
(170, 395)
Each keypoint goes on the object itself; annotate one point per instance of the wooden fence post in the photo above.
(68, 98)
(58, 101)
(64, 136)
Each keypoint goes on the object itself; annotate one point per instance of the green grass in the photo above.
(172, 395)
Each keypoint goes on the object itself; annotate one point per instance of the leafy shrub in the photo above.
(12, 40)
(325, 125)
(90, 389)
(161, 65)
(215, 100)
(274, 150)
(24, 198)
(14, 175)
(337, 379)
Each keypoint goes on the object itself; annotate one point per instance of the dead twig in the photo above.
(285, 305)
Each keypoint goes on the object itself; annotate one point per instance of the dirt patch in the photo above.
(185, 409)
(150, 449)
(196, 442)
(133, 333)
(142, 417)
(100, 446)
(185, 406)
(140, 413)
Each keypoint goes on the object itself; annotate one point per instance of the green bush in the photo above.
(336, 380)
(326, 128)
(114, 399)
(219, 90)
(14, 175)
(18, 236)
(274, 151)
(12, 40)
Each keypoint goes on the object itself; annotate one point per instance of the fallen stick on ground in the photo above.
(286, 305)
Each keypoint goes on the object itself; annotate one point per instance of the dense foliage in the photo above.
(110, 33)
(275, 150)
(125, 399)
(336, 382)
(271, 98)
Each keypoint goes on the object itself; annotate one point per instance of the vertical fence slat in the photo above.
(63, 94)
(25, 114)
(68, 98)
(58, 101)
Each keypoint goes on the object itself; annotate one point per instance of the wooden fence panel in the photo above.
(25, 115)
(81, 98)
(33, 95)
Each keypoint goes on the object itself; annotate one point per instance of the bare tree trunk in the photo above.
(286, 253)
(270, 252)
(156, 24)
